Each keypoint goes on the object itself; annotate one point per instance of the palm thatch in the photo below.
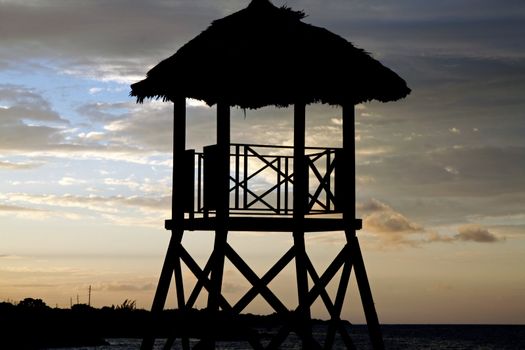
(264, 55)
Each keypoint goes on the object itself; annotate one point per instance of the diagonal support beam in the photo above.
(201, 276)
(323, 184)
(200, 284)
(334, 309)
(265, 280)
(316, 290)
(374, 329)
(324, 294)
(256, 282)
(335, 322)
(327, 276)
(161, 293)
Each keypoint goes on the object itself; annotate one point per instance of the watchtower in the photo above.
(266, 56)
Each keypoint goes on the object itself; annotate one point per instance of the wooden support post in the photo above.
(222, 211)
(159, 300)
(172, 261)
(179, 196)
(300, 196)
(348, 164)
(374, 329)
(349, 214)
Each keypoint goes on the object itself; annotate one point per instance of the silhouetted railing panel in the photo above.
(261, 180)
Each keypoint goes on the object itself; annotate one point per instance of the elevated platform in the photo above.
(267, 224)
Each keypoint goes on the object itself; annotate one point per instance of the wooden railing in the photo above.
(261, 180)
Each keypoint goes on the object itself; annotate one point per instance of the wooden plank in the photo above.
(267, 224)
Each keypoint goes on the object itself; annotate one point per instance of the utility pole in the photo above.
(89, 296)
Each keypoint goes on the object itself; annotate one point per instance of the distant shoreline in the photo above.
(32, 325)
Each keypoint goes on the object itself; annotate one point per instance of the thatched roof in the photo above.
(264, 55)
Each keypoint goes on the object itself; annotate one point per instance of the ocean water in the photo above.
(396, 337)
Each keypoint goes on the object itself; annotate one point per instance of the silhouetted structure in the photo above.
(262, 56)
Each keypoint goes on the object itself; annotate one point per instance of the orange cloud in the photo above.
(476, 233)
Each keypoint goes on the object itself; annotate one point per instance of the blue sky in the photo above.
(85, 172)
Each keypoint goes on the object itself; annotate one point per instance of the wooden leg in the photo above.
(372, 320)
(335, 322)
(303, 312)
(217, 272)
(162, 288)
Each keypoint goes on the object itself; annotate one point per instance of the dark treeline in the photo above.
(31, 324)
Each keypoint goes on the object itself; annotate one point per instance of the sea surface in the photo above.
(396, 337)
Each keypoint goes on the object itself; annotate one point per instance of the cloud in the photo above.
(15, 208)
(92, 202)
(128, 37)
(371, 206)
(390, 222)
(449, 172)
(476, 233)
(381, 218)
(125, 286)
(389, 226)
(149, 186)
(70, 181)
(393, 228)
(23, 103)
(56, 270)
(118, 210)
(28, 121)
(19, 166)
(30, 127)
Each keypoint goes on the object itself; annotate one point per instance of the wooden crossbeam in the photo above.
(316, 290)
(255, 281)
(265, 280)
(269, 164)
(327, 275)
(334, 309)
(324, 294)
(259, 198)
(200, 284)
(201, 276)
(335, 322)
(266, 165)
(323, 185)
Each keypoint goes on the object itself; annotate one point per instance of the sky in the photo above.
(85, 172)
